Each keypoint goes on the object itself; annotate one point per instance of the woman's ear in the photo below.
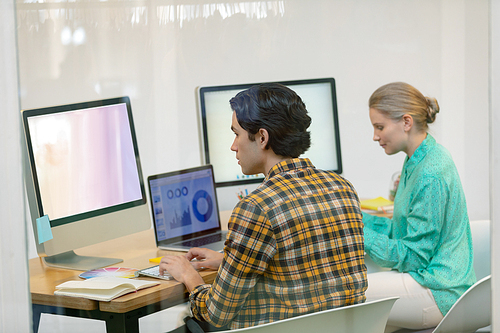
(408, 122)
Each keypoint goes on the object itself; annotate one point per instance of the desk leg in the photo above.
(129, 322)
(37, 311)
(121, 322)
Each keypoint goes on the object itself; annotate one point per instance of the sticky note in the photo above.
(43, 229)
(155, 260)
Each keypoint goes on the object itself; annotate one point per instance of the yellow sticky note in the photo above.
(155, 260)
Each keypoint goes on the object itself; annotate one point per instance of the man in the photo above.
(295, 244)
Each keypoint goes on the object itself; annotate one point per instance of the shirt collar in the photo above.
(288, 165)
(422, 150)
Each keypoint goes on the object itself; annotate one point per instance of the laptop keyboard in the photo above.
(202, 241)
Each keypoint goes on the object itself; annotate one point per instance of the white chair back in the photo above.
(369, 317)
(471, 312)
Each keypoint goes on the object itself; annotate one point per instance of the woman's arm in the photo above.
(379, 224)
(415, 248)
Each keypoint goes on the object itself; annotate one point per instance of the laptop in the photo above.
(185, 211)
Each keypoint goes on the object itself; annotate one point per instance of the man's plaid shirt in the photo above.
(295, 245)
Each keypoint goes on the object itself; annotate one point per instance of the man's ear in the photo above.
(263, 137)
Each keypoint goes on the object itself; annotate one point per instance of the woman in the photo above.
(427, 243)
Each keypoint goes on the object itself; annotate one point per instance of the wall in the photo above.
(158, 52)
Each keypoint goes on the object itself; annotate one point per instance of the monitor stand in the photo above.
(70, 260)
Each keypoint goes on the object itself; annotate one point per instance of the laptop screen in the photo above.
(184, 204)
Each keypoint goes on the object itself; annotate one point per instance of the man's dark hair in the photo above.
(280, 111)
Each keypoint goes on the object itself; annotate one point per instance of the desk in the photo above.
(121, 314)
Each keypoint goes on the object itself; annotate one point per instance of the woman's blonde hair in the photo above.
(398, 98)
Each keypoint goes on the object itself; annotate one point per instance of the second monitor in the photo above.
(319, 95)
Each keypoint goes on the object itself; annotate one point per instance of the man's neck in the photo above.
(272, 160)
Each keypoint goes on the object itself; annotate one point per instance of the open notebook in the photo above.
(185, 211)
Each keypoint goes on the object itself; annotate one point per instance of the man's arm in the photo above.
(184, 270)
(249, 247)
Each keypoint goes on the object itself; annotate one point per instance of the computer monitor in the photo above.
(319, 95)
(84, 173)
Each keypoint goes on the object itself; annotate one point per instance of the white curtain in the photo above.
(15, 313)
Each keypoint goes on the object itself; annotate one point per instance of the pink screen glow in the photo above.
(84, 160)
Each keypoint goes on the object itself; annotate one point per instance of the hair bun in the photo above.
(432, 109)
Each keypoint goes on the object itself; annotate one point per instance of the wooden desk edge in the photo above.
(65, 302)
(170, 295)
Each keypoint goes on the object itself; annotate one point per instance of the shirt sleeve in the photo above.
(250, 245)
(416, 247)
(379, 224)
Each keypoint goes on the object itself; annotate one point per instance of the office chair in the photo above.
(471, 312)
(369, 317)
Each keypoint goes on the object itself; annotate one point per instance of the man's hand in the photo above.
(204, 258)
(182, 270)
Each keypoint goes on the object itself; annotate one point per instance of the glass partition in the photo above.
(159, 52)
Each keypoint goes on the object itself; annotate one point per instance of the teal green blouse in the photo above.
(429, 234)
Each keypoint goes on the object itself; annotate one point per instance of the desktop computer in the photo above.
(84, 177)
(319, 96)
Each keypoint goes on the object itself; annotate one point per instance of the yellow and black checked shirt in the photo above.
(295, 246)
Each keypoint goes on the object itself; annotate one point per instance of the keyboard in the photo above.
(154, 272)
(198, 242)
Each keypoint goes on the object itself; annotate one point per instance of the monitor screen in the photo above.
(319, 96)
(83, 164)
